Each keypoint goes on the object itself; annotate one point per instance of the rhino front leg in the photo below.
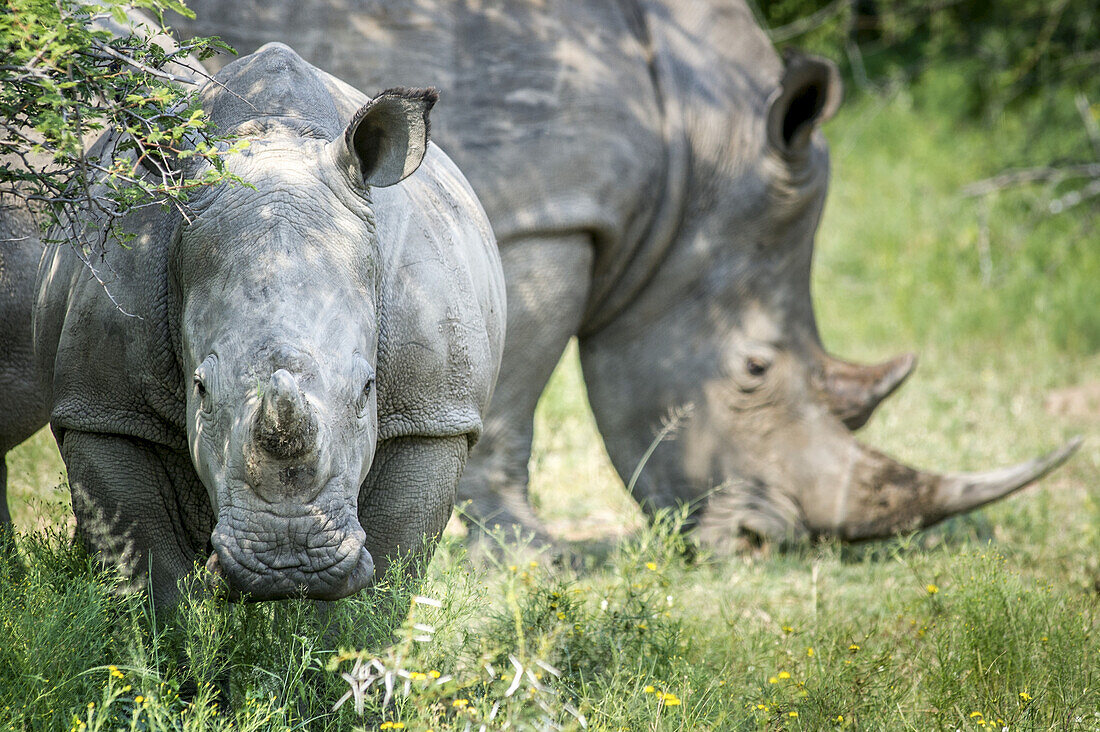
(140, 506)
(547, 288)
(407, 497)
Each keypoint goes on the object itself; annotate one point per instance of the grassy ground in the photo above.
(989, 621)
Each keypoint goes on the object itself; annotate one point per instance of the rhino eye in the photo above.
(756, 366)
(362, 405)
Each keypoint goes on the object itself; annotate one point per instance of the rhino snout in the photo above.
(290, 560)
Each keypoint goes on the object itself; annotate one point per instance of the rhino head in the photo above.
(279, 283)
(724, 336)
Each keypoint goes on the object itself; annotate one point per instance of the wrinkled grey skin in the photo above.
(654, 176)
(310, 358)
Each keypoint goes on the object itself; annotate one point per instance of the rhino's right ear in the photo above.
(386, 140)
(808, 96)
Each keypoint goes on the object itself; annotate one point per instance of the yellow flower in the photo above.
(853, 648)
(810, 652)
(561, 616)
(386, 725)
(788, 629)
(460, 703)
(784, 675)
(1043, 639)
(762, 706)
(399, 725)
(773, 680)
(649, 690)
(139, 699)
(792, 714)
(931, 589)
(417, 675)
(434, 674)
(1025, 696)
(115, 672)
(643, 626)
(512, 568)
(671, 700)
(651, 566)
(975, 714)
(534, 564)
(840, 717)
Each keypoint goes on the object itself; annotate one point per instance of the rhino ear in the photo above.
(808, 96)
(386, 140)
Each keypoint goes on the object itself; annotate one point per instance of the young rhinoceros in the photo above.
(311, 354)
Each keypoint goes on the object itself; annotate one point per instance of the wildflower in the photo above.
(931, 589)
(1025, 696)
(417, 675)
(975, 714)
(788, 629)
(784, 675)
(1043, 639)
(643, 626)
(670, 699)
(649, 690)
(763, 707)
(773, 680)
(139, 699)
(512, 568)
(792, 714)
(840, 717)
(434, 674)
(115, 672)
(651, 566)
(853, 648)
(534, 564)
(460, 703)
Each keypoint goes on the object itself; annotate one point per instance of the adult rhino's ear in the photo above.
(808, 96)
(386, 140)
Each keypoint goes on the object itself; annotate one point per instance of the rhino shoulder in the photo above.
(103, 337)
(442, 304)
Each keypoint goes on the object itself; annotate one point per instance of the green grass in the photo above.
(988, 621)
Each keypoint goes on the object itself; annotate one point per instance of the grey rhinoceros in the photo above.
(294, 373)
(654, 175)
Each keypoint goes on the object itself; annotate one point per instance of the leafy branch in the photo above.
(72, 70)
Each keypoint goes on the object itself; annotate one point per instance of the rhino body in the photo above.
(654, 175)
(287, 382)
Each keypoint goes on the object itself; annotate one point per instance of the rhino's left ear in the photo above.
(808, 96)
(386, 140)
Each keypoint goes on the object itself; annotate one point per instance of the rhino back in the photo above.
(547, 107)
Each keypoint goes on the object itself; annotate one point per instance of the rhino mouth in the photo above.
(304, 557)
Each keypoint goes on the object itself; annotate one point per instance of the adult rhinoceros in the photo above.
(306, 359)
(654, 177)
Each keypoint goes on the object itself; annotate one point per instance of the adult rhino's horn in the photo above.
(285, 426)
(852, 391)
(885, 497)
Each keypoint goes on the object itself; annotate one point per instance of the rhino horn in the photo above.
(884, 497)
(852, 391)
(285, 426)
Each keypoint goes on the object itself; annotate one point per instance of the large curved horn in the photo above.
(285, 426)
(884, 497)
(852, 391)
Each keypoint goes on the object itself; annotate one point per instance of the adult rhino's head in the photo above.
(278, 285)
(724, 336)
